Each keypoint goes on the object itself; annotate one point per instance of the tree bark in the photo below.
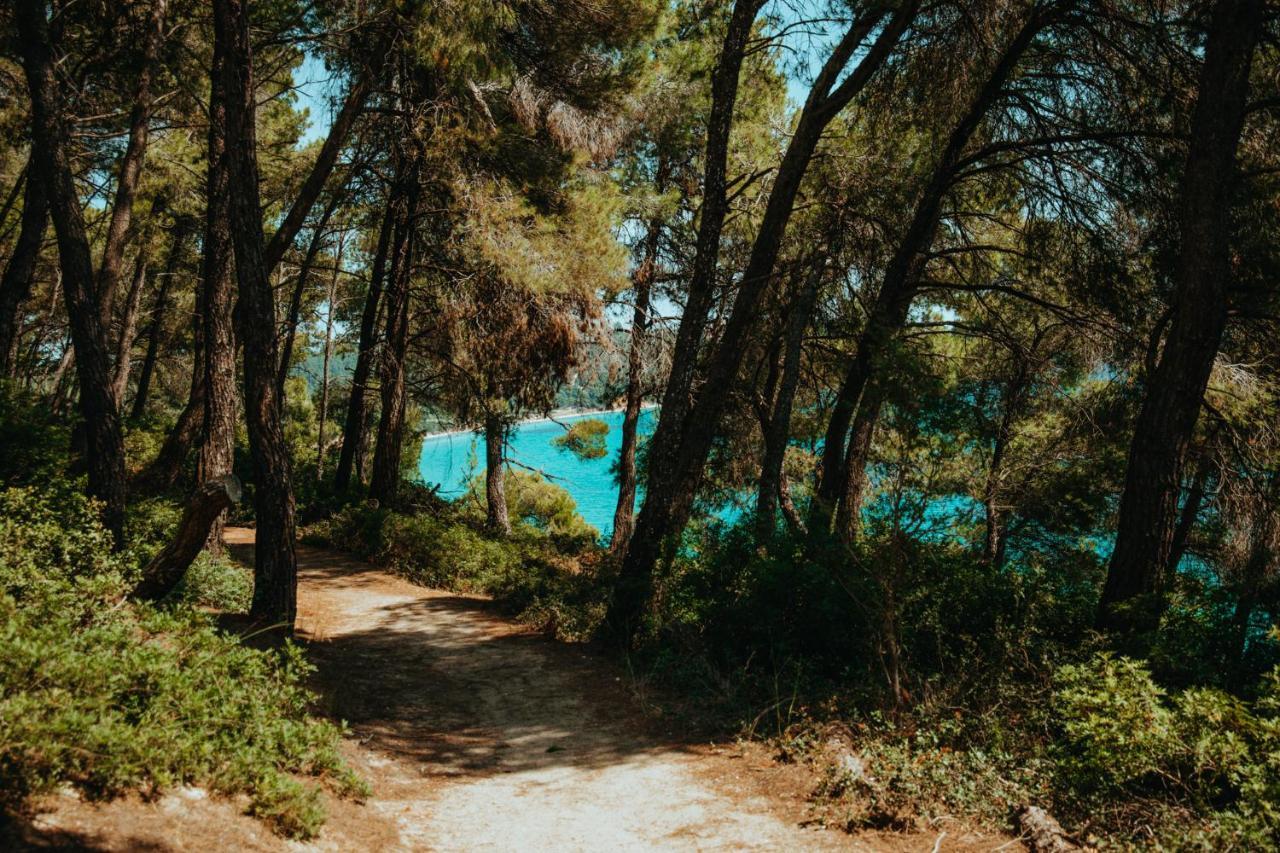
(129, 328)
(386, 454)
(299, 290)
(130, 174)
(331, 300)
(320, 170)
(844, 465)
(679, 448)
(777, 430)
(216, 370)
(275, 562)
(19, 273)
(355, 427)
(166, 569)
(495, 433)
(642, 286)
(105, 457)
(1133, 597)
(155, 328)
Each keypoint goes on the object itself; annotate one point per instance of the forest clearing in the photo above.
(645, 424)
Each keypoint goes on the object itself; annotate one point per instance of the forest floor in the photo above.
(477, 734)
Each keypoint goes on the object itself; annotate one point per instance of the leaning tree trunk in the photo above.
(1133, 596)
(680, 446)
(777, 430)
(217, 369)
(355, 427)
(386, 454)
(275, 563)
(495, 492)
(19, 273)
(642, 281)
(294, 316)
(105, 457)
(331, 299)
(860, 396)
(130, 175)
(159, 310)
(129, 327)
(203, 509)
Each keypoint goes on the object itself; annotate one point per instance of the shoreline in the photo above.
(555, 416)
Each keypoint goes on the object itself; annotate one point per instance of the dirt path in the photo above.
(477, 735)
(484, 737)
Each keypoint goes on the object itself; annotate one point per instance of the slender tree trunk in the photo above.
(155, 329)
(495, 434)
(129, 328)
(1191, 505)
(993, 545)
(844, 464)
(679, 448)
(339, 130)
(299, 290)
(19, 273)
(769, 490)
(642, 285)
(217, 368)
(1133, 597)
(331, 300)
(130, 174)
(275, 563)
(105, 457)
(354, 427)
(386, 455)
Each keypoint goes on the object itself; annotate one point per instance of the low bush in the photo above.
(545, 579)
(216, 582)
(111, 696)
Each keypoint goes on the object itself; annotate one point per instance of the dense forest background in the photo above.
(967, 309)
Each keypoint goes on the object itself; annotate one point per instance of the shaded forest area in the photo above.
(962, 318)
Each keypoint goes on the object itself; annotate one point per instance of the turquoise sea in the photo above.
(450, 460)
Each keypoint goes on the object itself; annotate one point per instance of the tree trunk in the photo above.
(129, 328)
(386, 455)
(495, 492)
(105, 457)
(844, 465)
(355, 427)
(777, 431)
(127, 180)
(332, 300)
(299, 290)
(275, 563)
(679, 448)
(155, 329)
(339, 130)
(217, 368)
(19, 273)
(166, 569)
(993, 545)
(642, 285)
(1133, 596)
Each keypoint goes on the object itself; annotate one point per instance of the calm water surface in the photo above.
(451, 461)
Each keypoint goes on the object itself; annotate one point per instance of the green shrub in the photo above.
(585, 439)
(35, 439)
(533, 499)
(547, 580)
(1206, 757)
(111, 696)
(217, 582)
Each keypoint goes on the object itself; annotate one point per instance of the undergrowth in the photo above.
(111, 696)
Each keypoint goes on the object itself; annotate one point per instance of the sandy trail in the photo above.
(480, 736)
(475, 735)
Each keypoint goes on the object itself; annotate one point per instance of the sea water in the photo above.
(451, 460)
